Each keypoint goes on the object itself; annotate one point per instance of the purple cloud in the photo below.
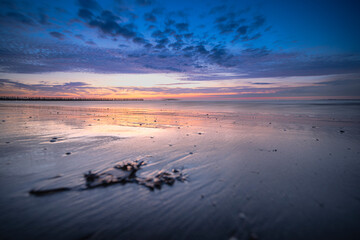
(57, 35)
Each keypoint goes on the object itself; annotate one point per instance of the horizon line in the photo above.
(18, 98)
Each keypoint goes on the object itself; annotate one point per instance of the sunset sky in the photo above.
(188, 49)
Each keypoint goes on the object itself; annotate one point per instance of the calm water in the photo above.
(339, 108)
(266, 170)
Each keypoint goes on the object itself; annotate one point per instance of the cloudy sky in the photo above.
(188, 49)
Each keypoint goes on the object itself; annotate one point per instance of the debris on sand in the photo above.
(53, 139)
(163, 177)
(123, 172)
(46, 191)
(51, 185)
(130, 165)
(105, 178)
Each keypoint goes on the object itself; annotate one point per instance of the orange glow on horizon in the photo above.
(129, 93)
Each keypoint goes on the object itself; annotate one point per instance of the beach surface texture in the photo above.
(180, 170)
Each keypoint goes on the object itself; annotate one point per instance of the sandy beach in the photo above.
(251, 170)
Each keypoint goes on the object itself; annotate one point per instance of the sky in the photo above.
(188, 49)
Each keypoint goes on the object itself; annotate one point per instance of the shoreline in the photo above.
(60, 99)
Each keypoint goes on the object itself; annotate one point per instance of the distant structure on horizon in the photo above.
(170, 99)
(14, 98)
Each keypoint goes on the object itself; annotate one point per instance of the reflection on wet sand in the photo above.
(249, 174)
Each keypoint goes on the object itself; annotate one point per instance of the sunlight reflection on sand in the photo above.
(249, 170)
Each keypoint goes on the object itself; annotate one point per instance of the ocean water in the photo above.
(341, 109)
(254, 170)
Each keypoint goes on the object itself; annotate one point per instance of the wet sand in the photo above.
(252, 170)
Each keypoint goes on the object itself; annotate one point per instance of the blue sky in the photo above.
(195, 49)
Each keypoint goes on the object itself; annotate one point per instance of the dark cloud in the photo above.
(135, 55)
(162, 68)
(188, 48)
(188, 35)
(139, 40)
(57, 35)
(220, 19)
(85, 14)
(218, 9)
(90, 42)
(145, 2)
(149, 17)
(247, 37)
(83, 88)
(242, 30)
(219, 55)
(259, 21)
(176, 45)
(261, 83)
(182, 27)
(341, 82)
(64, 57)
(148, 45)
(43, 19)
(161, 43)
(180, 56)
(80, 36)
(158, 11)
(107, 15)
(229, 23)
(256, 52)
(8, 4)
(169, 31)
(61, 10)
(89, 4)
(182, 14)
(19, 17)
(173, 84)
(228, 27)
(201, 49)
(7, 82)
(169, 22)
(107, 24)
(158, 34)
(75, 84)
(72, 87)
(210, 77)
